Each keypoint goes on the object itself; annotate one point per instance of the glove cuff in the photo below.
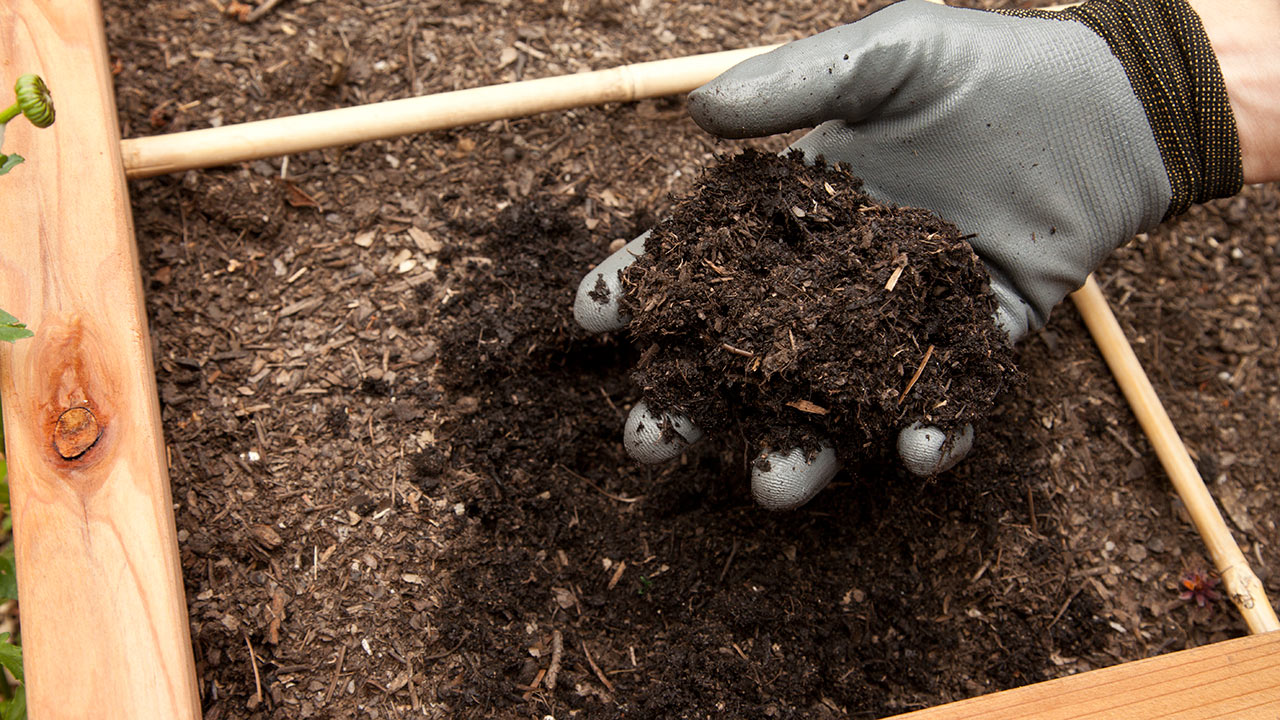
(1166, 54)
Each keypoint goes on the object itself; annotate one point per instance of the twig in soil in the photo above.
(557, 649)
(260, 12)
(337, 671)
(597, 488)
(450, 651)
(1063, 609)
(1123, 443)
(413, 691)
(728, 561)
(533, 686)
(737, 351)
(1031, 511)
(257, 680)
(911, 383)
(413, 67)
(893, 279)
(609, 400)
(617, 575)
(596, 668)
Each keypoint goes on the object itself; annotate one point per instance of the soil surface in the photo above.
(780, 304)
(397, 468)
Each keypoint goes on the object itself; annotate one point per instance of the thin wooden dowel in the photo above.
(175, 152)
(1238, 580)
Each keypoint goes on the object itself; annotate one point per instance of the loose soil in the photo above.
(396, 462)
(780, 304)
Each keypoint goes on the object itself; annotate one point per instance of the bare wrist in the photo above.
(1243, 34)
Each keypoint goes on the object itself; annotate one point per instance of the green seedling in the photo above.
(35, 103)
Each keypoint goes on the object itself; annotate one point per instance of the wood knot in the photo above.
(75, 432)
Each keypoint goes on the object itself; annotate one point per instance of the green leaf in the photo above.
(9, 334)
(10, 656)
(15, 709)
(8, 162)
(10, 328)
(8, 575)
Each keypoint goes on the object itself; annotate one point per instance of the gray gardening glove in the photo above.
(1054, 137)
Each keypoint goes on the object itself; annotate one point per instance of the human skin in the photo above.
(1243, 34)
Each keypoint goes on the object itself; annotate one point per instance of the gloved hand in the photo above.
(1055, 137)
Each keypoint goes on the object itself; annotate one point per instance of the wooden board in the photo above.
(104, 620)
(1232, 679)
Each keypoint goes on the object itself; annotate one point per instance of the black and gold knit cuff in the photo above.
(1166, 54)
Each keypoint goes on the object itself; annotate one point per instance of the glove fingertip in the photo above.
(785, 481)
(652, 438)
(595, 307)
(925, 450)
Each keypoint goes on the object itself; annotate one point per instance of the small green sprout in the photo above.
(645, 585)
(35, 103)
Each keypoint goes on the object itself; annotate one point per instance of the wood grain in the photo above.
(1237, 678)
(104, 620)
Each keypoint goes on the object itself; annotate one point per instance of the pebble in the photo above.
(1137, 553)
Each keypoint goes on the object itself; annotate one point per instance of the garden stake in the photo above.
(1238, 580)
(160, 154)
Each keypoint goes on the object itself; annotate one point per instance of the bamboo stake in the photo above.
(1238, 580)
(175, 152)
(104, 622)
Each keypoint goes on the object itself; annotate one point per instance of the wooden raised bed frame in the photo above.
(104, 619)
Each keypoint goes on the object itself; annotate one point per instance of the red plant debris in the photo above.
(1199, 586)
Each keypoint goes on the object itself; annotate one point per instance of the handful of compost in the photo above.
(781, 304)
